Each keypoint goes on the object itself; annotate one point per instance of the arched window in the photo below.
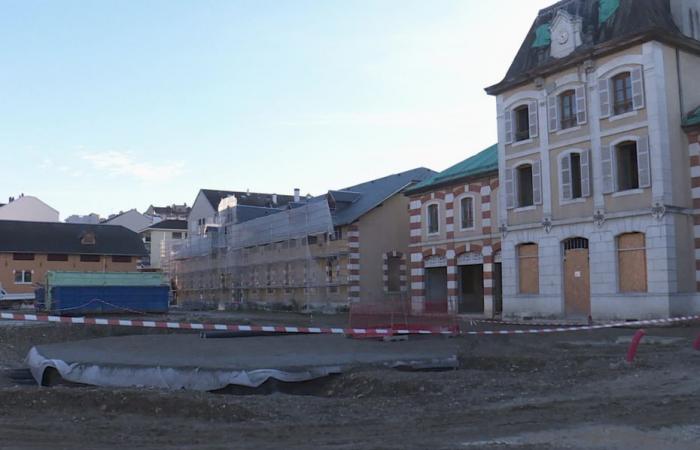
(632, 262)
(528, 269)
(622, 93)
(433, 219)
(567, 109)
(466, 209)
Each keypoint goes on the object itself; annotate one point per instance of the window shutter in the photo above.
(510, 195)
(607, 161)
(637, 88)
(586, 173)
(566, 177)
(604, 93)
(534, 126)
(643, 162)
(537, 182)
(553, 113)
(581, 105)
(508, 118)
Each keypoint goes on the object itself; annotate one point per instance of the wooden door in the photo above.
(577, 285)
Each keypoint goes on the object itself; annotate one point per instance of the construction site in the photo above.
(568, 390)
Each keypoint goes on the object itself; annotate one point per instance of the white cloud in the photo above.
(118, 163)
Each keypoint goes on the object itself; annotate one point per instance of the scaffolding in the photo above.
(288, 258)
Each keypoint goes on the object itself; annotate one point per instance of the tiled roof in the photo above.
(367, 196)
(486, 161)
(245, 198)
(171, 224)
(59, 237)
(605, 23)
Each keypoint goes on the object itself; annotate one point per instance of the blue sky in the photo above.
(112, 105)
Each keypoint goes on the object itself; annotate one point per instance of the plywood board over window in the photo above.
(528, 269)
(632, 262)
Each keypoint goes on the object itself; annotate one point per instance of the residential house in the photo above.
(159, 240)
(208, 203)
(599, 208)
(28, 208)
(171, 212)
(131, 219)
(321, 252)
(454, 241)
(29, 249)
(90, 218)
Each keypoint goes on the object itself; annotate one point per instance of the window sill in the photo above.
(467, 229)
(433, 234)
(623, 116)
(521, 143)
(23, 283)
(525, 208)
(627, 192)
(568, 130)
(573, 201)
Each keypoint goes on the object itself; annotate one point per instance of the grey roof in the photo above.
(214, 197)
(372, 193)
(60, 237)
(171, 224)
(630, 22)
(245, 213)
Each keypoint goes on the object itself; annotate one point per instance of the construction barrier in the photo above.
(326, 330)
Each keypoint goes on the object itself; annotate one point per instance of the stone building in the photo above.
(455, 247)
(598, 209)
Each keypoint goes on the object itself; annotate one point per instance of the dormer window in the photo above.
(522, 123)
(622, 93)
(87, 238)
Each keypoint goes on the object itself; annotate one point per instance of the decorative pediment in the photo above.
(565, 34)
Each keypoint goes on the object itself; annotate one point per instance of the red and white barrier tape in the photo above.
(637, 323)
(321, 330)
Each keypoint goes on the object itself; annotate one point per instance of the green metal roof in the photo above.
(483, 162)
(692, 119)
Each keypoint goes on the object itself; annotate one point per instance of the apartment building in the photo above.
(596, 131)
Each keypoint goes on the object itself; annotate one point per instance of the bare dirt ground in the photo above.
(563, 391)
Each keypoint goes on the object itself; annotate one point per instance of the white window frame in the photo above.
(24, 272)
(516, 191)
(624, 65)
(568, 84)
(525, 98)
(427, 218)
(562, 155)
(614, 144)
(458, 201)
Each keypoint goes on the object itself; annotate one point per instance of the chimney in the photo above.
(296, 195)
(274, 199)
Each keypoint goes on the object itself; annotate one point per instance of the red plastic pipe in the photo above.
(696, 344)
(632, 352)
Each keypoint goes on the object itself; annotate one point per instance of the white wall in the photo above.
(28, 208)
(133, 220)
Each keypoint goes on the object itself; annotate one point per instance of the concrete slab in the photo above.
(189, 362)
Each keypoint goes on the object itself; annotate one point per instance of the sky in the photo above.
(111, 105)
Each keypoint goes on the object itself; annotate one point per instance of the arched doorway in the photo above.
(577, 284)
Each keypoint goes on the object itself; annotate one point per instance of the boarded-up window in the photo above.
(89, 258)
(632, 262)
(121, 259)
(394, 274)
(57, 257)
(528, 269)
